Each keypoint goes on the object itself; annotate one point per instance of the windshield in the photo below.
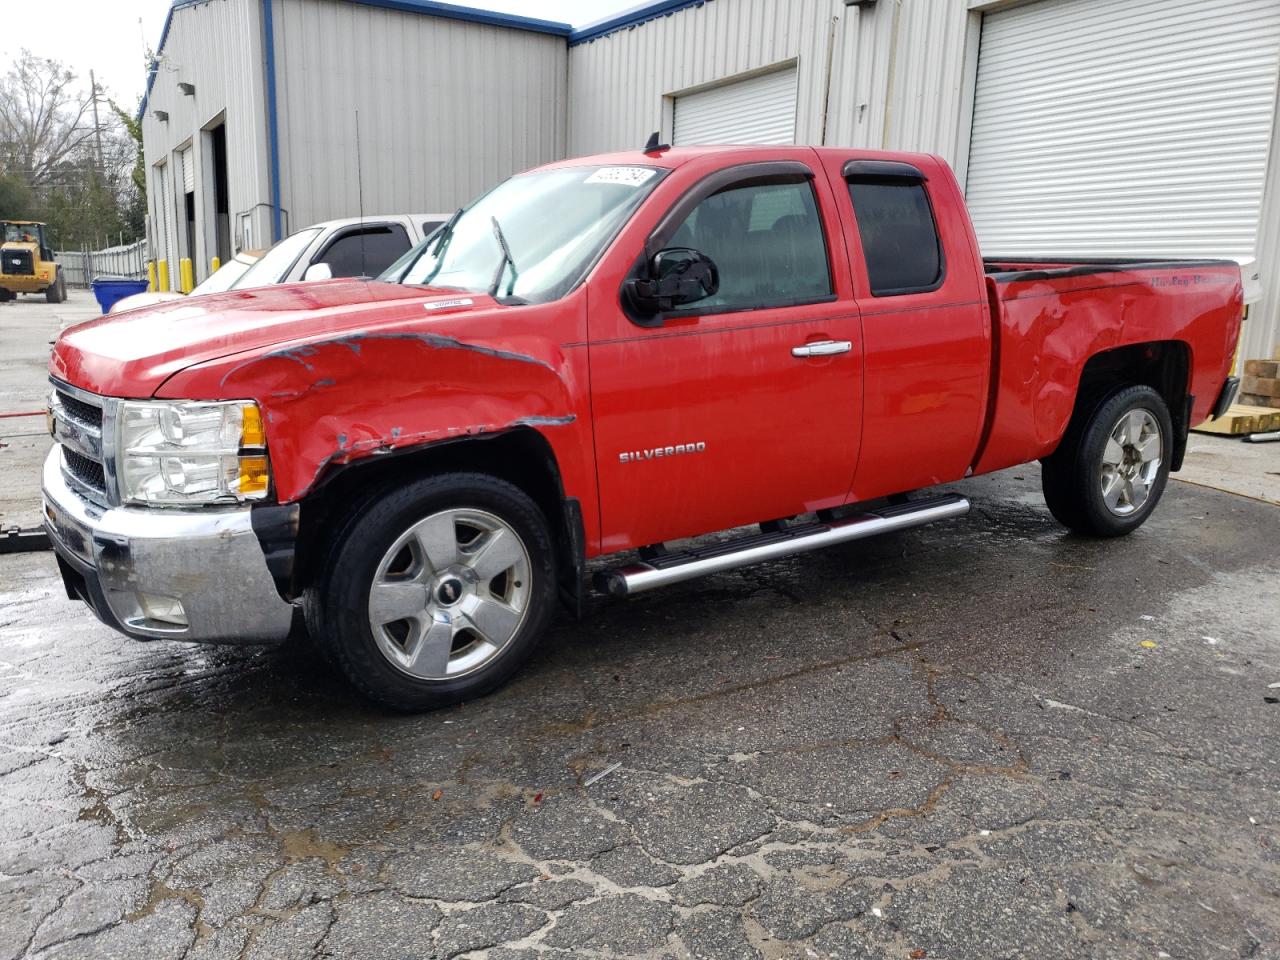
(275, 263)
(555, 223)
(20, 233)
(224, 278)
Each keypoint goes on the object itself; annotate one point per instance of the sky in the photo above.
(110, 37)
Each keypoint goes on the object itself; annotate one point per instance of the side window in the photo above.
(899, 236)
(766, 239)
(365, 251)
(429, 227)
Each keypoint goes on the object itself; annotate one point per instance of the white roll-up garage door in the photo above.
(188, 171)
(756, 110)
(1123, 129)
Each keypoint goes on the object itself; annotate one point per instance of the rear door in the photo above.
(925, 327)
(744, 407)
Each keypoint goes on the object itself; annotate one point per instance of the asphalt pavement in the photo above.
(982, 739)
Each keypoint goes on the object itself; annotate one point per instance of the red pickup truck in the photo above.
(606, 355)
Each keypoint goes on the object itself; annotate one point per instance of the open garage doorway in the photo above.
(218, 210)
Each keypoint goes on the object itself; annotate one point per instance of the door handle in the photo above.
(822, 348)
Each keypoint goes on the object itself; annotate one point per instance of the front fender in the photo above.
(334, 401)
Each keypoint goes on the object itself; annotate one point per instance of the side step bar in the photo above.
(714, 558)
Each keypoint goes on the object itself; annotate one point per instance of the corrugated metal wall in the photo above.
(898, 77)
(618, 82)
(215, 45)
(896, 73)
(447, 108)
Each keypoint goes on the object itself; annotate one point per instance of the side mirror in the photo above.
(677, 276)
(318, 271)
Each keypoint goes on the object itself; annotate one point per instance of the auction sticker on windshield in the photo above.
(628, 176)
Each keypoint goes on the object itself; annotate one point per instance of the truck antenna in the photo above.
(655, 144)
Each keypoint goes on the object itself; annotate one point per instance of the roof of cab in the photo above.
(673, 157)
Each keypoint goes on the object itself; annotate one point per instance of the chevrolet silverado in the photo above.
(607, 355)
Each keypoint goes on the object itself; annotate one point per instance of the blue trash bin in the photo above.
(108, 290)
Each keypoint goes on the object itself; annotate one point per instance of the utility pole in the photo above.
(97, 127)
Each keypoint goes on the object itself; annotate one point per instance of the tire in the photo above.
(1112, 466)
(474, 628)
(5, 295)
(56, 292)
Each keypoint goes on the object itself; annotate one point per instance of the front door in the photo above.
(743, 407)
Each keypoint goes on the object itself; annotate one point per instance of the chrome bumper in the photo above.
(127, 563)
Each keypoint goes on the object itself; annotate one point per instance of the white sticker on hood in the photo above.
(446, 304)
(627, 176)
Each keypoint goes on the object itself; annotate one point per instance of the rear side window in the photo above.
(365, 251)
(899, 236)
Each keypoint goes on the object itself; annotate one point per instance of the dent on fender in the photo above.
(371, 394)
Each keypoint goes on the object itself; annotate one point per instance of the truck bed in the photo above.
(1050, 316)
(1011, 270)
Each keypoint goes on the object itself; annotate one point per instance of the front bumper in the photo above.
(128, 562)
(24, 282)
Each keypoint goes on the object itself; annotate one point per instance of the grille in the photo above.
(87, 472)
(17, 261)
(79, 410)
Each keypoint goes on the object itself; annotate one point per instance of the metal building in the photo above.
(255, 108)
(1078, 127)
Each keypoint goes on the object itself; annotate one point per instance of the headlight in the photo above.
(191, 452)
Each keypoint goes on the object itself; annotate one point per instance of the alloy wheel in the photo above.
(450, 594)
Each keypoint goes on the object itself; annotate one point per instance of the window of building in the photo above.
(899, 236)
(365, 251)
(766, 239)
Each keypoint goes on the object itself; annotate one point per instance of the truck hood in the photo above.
(131, 354)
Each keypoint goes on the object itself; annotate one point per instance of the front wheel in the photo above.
(56, 292)
(436, 591)
(1112, 466)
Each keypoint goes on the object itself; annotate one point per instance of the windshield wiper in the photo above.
(447, 230)
(504, 263)
(443, 239)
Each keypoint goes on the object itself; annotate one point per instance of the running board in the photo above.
(674, 567)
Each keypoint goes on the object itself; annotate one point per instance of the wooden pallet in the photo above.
(1241, 419)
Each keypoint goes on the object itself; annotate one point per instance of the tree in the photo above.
(15, 198)
(45, 121)
(135, 212)
(57, 167)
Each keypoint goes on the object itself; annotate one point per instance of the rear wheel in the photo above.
(436, 591)
(1112, 466)
(5, 295)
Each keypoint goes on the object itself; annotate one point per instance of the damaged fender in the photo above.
(340, 399)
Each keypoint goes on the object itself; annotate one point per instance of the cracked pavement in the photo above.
(982, 739)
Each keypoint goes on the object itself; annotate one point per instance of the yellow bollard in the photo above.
(186, 275)
(215, 265)
(151, 275)
(163, 269)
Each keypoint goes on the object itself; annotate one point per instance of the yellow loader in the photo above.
(27, 264)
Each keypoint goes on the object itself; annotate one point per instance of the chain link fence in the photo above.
(81, 266)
